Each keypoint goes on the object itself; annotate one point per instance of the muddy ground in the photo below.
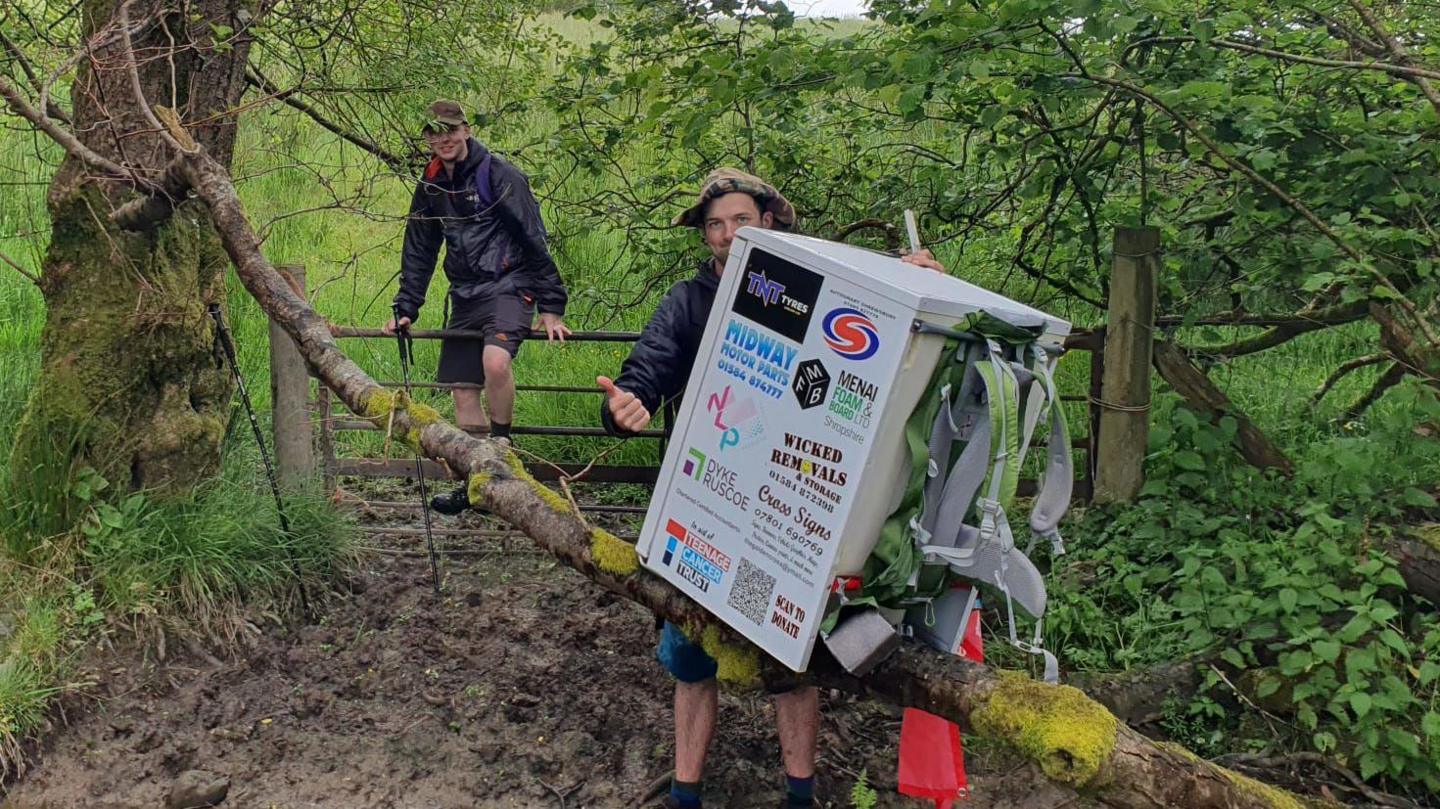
(522, 686)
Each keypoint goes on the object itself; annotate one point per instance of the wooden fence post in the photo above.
(290, 399)
(1125, 388)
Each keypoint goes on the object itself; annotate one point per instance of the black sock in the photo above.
(498, 430)
(685, 793)
(799, 792)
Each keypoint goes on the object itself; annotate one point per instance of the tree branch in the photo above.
(1393, 45)
(255, 79)
(1345, 368)
(52, 109)
(1341, 31)
(1392, 377)
(122, 16)
(17, 268)
(1201, 394)
(892, 233)
(1289, 330)
(1407, 72)
(1294, 204)
(1333, 317)
(71, 144)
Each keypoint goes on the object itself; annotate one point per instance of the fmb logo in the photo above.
(812, 383)
(694, 463)
(851, 334)
(763, 288)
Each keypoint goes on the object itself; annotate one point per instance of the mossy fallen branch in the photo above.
(1068, 734)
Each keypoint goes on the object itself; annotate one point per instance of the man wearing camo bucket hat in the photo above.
(656, 374)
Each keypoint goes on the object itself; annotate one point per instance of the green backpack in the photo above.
(966, 442)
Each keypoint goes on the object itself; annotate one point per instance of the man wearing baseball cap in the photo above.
(480, 208)
(655, 374)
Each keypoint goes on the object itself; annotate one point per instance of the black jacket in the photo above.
(502, 242)
(659, 365)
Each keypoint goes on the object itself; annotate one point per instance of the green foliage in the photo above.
(992, 120)
(1026, 138)
(46, 498)
(862, 795)
(1283, 585)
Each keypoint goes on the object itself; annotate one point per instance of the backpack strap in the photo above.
(483, 186)
(1058, 478)
(891, 572)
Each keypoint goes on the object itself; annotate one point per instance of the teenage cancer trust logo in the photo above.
(694, 463)
(851, 334)
(694, 558)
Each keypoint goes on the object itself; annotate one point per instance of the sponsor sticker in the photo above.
(850, 333)
(696, 560)
(737, 418)
(694, 463)
(761, 362)
(777, 294)
(811, 385)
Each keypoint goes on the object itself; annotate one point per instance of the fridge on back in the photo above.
(849, 443)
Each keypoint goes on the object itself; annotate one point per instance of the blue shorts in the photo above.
(685, 661)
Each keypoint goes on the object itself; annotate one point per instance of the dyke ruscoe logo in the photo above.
(851, 334)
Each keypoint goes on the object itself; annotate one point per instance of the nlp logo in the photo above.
(737, 418)
(694, 464)
(851, 334)
(763, 288)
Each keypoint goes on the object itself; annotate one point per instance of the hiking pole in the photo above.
(406, 343)
(223, 335)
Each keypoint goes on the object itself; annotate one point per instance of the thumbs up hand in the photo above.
(626, 409)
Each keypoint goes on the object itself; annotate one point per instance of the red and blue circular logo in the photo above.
(851, 334)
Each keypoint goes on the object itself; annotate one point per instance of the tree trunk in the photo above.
(130, 383)
(1414, 354)
(1416, 550)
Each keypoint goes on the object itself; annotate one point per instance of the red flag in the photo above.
(932, 762)
(971, 646)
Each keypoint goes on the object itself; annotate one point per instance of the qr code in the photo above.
(750, 594)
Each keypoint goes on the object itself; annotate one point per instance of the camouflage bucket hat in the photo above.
(724, 181)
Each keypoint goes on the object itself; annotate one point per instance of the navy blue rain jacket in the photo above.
(502, 242)
(659, 365)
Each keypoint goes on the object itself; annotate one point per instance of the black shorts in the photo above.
(503, 315)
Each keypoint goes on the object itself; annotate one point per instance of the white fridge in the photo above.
(787, 452)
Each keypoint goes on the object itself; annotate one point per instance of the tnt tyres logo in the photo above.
(694, 463)
(763, 288)
(693, 557)
(851, 334)
(777, 294)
